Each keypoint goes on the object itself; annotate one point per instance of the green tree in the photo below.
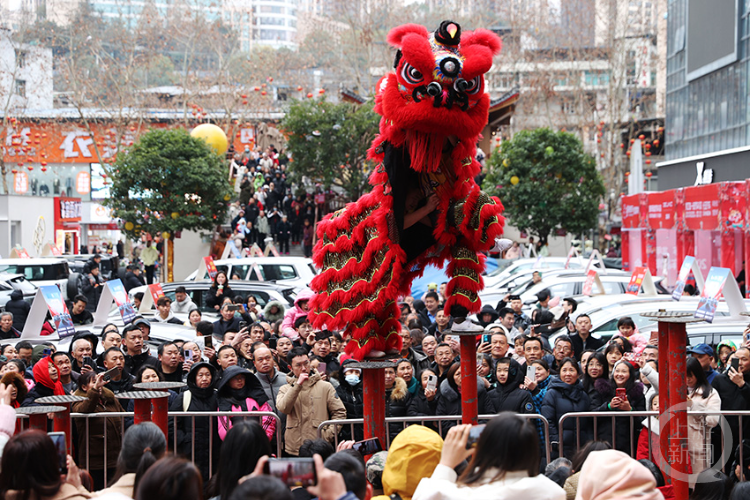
(168, 182)
(329, 142)
(546, 182)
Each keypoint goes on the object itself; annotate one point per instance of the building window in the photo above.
(20, 88)
(20, 58)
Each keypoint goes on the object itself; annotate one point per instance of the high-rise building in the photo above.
(708, 109)
(275, 23)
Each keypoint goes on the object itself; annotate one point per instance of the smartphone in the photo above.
(735, 363)
(621, 393)
(243, 324)
(474, 433)
(58, 439)
(432, 382)
(47, 352)
(292, 471)
(654, 339)
(110, 374)
(90, 361)
(208, 341)
(188, 354)
(234, 307)
(272, 342)
(368, 446)
(531, 372)
(487, 338)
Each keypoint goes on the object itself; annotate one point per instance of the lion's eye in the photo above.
(410, 74)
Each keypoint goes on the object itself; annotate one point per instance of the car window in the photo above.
(612, 287)
(696, 339)
(562, 290)
(273, 272)
(608, 327)
(312, 268)
(242, 271)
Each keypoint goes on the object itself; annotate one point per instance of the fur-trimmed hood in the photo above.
(272, 317)
(399, 390)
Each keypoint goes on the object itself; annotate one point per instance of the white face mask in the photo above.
(352, 379)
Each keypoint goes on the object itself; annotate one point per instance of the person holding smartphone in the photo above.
(91, 431)
(734, 390)
(624, 392)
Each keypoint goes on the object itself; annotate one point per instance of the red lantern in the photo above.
(648, 153)
(648, 162)
(622, 146)
(641, 137)
(309, 96)
(244, 96)
(257, 89)
(263, 93)
(244, 102)
(627, 174)
(602, 155)
(656, 142)
(270, 78)
(627, 152)
(30, 168)
(632, 141)
(14, 171)
(299, 88)
(599, 141)
(44, 169)
(649, 174)
(44, 163)
(322, 91)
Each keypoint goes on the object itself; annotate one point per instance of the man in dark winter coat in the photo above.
(133, 277)
(734, 390)
(19, 308)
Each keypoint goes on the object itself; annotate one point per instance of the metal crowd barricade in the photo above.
(406, 421)
(638, 416)
(84, 455)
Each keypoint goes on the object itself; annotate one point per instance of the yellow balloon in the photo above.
(165, 235)
(129, 226)
(213, 135)
(227, 197)
(175, 215)
(506, 162)
(514, 180)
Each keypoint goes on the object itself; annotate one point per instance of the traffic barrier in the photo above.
(85, 455)
(406, 421)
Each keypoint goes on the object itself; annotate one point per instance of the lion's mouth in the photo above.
(441, 97)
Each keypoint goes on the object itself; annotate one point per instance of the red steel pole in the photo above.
(677, 432)
(61, 423)
(373, 380)
(469, 379)
(142, 411)
(38, 421)
(664, 417)
(160, 416)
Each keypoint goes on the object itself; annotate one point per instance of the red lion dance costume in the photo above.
(424, 207)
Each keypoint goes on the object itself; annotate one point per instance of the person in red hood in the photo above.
(47, 379)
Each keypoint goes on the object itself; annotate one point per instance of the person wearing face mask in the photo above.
(350, 393)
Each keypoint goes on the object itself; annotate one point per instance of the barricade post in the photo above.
(142, 401)
(160, 405)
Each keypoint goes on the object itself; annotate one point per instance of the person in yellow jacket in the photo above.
(414, 454)
(307, 400)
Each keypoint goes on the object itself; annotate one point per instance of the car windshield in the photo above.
(39, 272)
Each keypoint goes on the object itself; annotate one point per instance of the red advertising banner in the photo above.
(156, 291)
(702, 207)
(631, 211)
(635, 280)
(661, 210)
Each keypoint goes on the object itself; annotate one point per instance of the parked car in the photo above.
(567, 284)
(11, 282)
(43, 271)
(108, 267)
(198, 292)
(521, 265)
(294, 271)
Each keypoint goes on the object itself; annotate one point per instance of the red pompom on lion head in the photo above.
(438, 83)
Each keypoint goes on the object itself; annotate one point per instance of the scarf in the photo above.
(537, 399)
(413, 386)
(41, 375)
